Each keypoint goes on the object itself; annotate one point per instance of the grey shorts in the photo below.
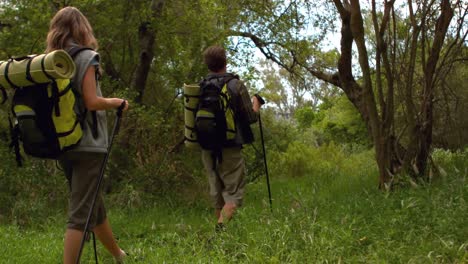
(227, 183)
(83, 175)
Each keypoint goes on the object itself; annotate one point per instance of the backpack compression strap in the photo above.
(73, 52)
(14, 134)
(4, 94)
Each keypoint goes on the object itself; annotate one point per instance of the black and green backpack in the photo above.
(215, 120)
(45, 120)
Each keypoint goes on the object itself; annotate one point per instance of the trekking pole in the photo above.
(261, 101)
(115, 131)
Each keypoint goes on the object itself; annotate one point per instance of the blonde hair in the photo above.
(69, 26)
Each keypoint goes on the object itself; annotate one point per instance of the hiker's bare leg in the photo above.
(228, 211)
(72, 245)
(219, 206)
(104, 234)
(73, 241)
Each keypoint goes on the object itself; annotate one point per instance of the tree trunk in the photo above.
(379, 112)
(363, 97)
(146, 38)
(423, 129)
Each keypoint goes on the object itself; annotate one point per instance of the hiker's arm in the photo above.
(91, 100)
(256, 104)
(248, 108)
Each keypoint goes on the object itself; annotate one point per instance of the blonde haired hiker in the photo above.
(69, 28)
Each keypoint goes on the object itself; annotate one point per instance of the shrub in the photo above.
(451, 162)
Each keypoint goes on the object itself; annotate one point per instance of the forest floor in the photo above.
(314, 220)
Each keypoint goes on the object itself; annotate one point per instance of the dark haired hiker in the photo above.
(226, 173)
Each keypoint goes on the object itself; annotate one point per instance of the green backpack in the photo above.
(214, 118)
(45, 120)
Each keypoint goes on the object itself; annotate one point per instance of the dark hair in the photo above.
(215, 58)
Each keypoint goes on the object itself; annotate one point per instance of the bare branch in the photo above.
(341, 9)
(378, 55)
(263, 47)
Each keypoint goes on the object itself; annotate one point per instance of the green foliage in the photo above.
(145, 160)
(27, 27)
(27, 193)
(455, 162)
(312, 221)
(339, 121)
(301, 160)
(327, 208)
(450, 118)
(304, 116)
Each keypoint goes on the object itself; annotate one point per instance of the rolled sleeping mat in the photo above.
(191, 97)
(31, 69)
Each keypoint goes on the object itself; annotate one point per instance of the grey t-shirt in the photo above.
(89, 143)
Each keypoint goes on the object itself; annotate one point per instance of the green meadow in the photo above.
(336, 216)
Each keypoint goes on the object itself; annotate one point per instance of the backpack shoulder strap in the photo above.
(225, 78)
(75, 50)
(231, 88)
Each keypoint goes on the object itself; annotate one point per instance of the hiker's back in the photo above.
(95, 135)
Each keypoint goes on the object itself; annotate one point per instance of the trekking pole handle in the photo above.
(260, 99)
(121, 107)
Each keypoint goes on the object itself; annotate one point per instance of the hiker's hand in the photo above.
(260, 99)
(123, 105)
(256, 104)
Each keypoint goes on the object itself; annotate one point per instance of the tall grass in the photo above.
(328, 214)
